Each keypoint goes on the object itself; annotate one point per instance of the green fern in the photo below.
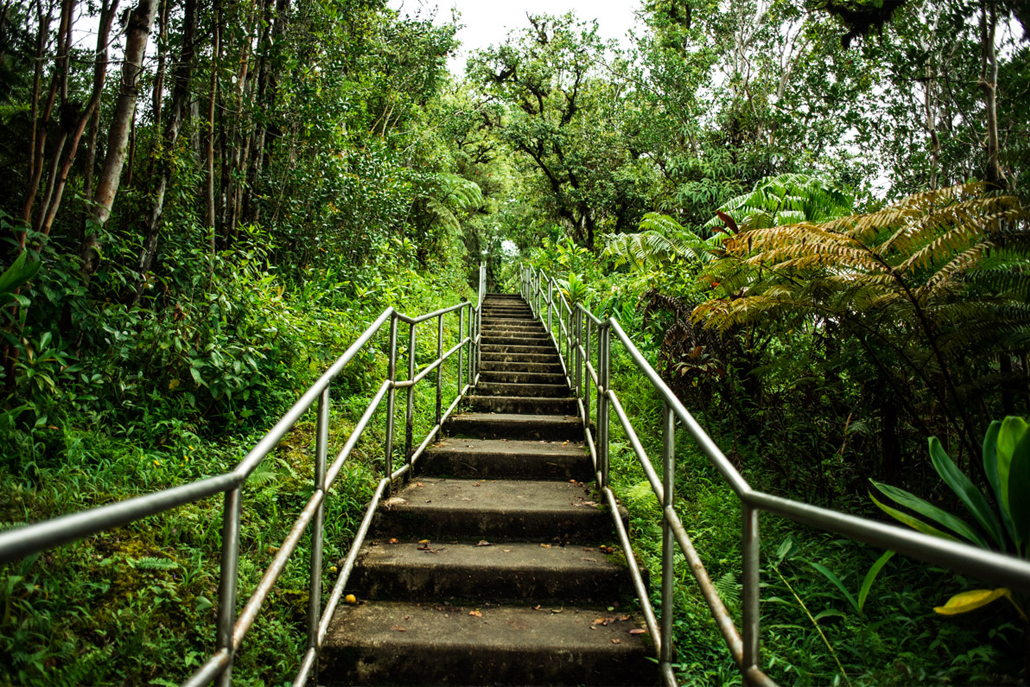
(151, 563)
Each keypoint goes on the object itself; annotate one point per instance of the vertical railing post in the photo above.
(439, 368)
(227, 583)
(472, 344)
(577, 356)
(550, 303)
(604, 354)
(751, 625)
(391, 403)
(668, 562)
(461, 348)
(409, 420)
(586, 382)
(315, 583)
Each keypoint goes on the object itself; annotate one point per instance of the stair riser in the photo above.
(513, 332)
(510, 338)
(506, 466)
(492, 377)
(519, 349)
(523, 406)
(499, 429)
(520, 367)
(424, 521)
(533, 390)
(401, 583)
(407, 664)
(506, 311)
(546, 358)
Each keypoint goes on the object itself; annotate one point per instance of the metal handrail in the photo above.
(232, 628)
(578, 324)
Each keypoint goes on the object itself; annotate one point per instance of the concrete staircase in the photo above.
(490, 567)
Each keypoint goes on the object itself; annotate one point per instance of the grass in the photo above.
(137, 605)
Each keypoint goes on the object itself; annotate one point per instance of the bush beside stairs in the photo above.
(488, 568)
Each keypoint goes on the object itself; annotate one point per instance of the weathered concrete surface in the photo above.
(489, 571)
(395, 643)
(499, 513)
(537, 390)
(508, 459)
(514, 426)
(505, 377)
(490, 509)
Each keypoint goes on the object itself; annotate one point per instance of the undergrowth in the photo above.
(137, 605)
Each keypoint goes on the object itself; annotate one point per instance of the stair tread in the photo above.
(502, 559)
(501, 628)
(511, 447)
(521, 418)
(492, 496)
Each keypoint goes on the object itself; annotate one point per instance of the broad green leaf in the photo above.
(914, 523)
(928, 510)
(969, 495)
(828, 574)
(990, 456)
(18, 273)
(972, 600)
(870, 577)
(1014, 449)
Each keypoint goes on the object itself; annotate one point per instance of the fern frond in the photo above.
(151, 563)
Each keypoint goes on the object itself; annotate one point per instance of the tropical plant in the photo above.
(1006, 461)
(920, 283)
(783, 199)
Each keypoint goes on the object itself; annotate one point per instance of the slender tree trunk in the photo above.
(210, 189)
(182, 75)
(931, 126)
(140, 22)
(989, 86)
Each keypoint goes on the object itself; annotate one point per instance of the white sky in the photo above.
(487, 22)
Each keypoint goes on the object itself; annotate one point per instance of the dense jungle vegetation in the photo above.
(810, 214)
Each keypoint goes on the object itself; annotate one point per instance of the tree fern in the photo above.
(935, 281)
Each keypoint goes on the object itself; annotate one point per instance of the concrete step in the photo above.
(508, 336)
(522, 405)
(501, 510)
(508, 459)
(519, 348)
(520, 367)
(512, 332)
(515, 426)
(379, 643)
(492, 356)
(505, 571)
(495, 377)
(524, 389)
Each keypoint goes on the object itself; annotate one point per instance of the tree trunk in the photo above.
(989, 86)
(140, 22)
(209, 195)
(182, 74)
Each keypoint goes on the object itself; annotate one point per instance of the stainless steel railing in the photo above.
(581, 338)
(232, 628)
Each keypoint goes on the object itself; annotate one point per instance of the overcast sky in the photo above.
(487, 22)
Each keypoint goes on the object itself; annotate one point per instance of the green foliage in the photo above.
(1006, 462)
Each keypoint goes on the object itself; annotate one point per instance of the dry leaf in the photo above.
(546, 546)
(557, 610)
(638, 631)
(483, 542)
(606, 549)
(616, 641)
(393, 540)
(398, 628)
(476, 614)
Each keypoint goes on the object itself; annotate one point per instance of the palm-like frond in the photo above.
(661, 241)
(786, 199)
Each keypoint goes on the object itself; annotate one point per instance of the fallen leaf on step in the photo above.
(398, 628)
(545, 546)
(588, 548)
(476, 484)
(476, 614)
(423, 544)
(592, 560)
(606, 549)
(616, 641)
(537, 607)
(507, 550)
(419, 484)
(393, 540)
(483, 542)
(638, 631)
(557, 610)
